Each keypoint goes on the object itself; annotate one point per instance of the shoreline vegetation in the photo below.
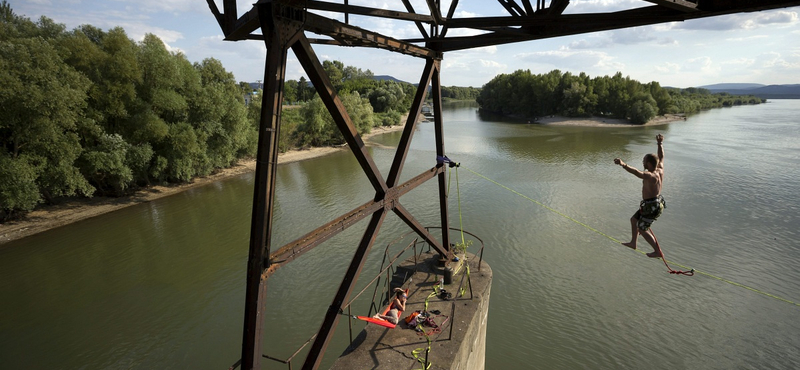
(94, 121)
(46, 217)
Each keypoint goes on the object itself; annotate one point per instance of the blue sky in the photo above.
(760, 47)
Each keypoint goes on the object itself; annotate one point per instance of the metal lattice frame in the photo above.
(283, 25)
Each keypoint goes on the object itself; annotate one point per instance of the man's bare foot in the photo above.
(655, 254)
(629, 245)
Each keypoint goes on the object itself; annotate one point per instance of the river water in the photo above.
(161, 285)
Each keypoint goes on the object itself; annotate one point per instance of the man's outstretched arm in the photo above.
(630, 169)
(659, 140)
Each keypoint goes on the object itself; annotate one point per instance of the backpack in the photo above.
(412, 317)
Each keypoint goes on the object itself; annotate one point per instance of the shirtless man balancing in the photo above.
(652, 202)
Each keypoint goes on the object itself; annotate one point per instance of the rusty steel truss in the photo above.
(284, 24)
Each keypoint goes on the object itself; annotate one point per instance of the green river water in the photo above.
(161, 285)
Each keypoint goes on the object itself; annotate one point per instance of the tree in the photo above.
(579, 101)
(662, 98)
(388, 95)
(289, 92)
(6, 13)
(162, 80)
(106, 167)
(18, 188)
(183, 153)
(350, 73)
(335, 71)
(42, 100)
(219, 116)
(304, 91)
(318, 128)
(644, 108)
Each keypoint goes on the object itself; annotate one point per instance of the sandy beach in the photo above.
(51, 216)
(606, 122)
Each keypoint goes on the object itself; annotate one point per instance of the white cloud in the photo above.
(492, 64)
(587, 61)
(167, 6)
(747, 38)
(667, 68)
(136, 31)
(772, 60)
(778, 17)
(455, 32)
(668, 41)
(738, 62)
(624, 37)
(747, 21)
(632, 36)
(464, 14)
(702, 64)
(590, 44)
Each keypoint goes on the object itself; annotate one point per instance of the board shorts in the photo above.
(649, 210)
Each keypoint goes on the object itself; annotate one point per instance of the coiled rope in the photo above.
(619, 242)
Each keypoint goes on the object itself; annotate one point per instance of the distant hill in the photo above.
(759, 90)
(386, 78)
(732, 86)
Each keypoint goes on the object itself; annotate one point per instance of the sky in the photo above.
(760, 47)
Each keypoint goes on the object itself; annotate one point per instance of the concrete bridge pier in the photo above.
(458, 343)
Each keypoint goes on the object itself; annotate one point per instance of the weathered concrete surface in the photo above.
(461, 344)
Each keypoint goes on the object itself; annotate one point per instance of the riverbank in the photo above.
(51, 216)
(606, 122)
(48, 217)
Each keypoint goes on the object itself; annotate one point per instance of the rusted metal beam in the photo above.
(411, 123)
(412, 222)
(345, 288)
(436, 94)
(366, 11)
(305, 243)
(507, 4)
(217, 15)
(230, 15)
(240, 29)
(535, 28)
(651, 14)
(410, 9)
(450, 13)
(516, 7)
(528, 8)
(264, 191)
(557, 7)
(546, 26)
(680, 5)
(433, 7)
(355, 36)
(308, 59)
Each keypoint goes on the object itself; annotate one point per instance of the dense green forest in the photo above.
(526, 95)
(90, 112)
